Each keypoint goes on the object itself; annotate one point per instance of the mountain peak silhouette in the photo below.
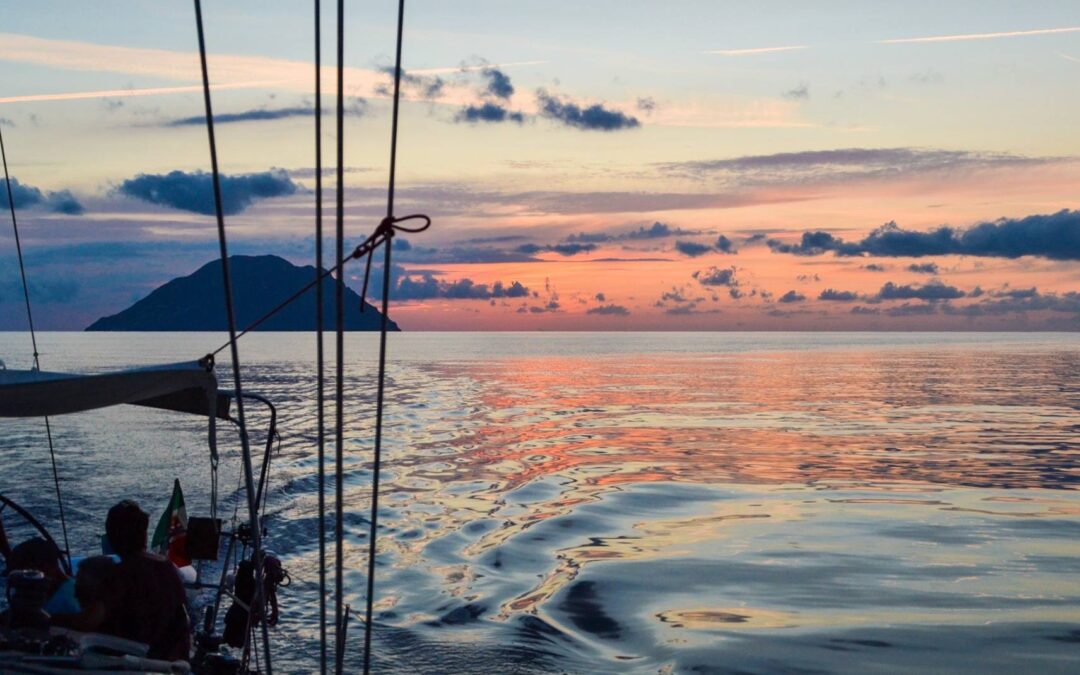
(197, 302)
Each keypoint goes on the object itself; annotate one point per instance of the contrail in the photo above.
(981, 36)
(124, 93)
(756, 50)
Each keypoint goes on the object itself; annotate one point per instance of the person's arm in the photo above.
(88, 620)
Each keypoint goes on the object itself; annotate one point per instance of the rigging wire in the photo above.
(33, 342)
(374, 240)
(339, 339)
(380, 399)
(319, 356)
(256, 526)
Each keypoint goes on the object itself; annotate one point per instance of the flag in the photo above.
(170, 535)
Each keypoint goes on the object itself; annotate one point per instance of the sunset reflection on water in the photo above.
(665, 503)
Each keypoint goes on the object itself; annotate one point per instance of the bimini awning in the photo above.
(189, 387)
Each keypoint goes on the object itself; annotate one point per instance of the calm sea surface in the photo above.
(639, 503)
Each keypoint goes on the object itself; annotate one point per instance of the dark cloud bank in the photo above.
(609, 310)
(1055, 236)
(488, 112)
(594, 117)
(657, 230)
(194, 191)
(24, 196)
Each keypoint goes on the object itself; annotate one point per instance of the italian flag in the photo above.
(170, 535)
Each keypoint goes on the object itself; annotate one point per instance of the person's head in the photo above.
(125, 527)
(94, 579)
(37, 554)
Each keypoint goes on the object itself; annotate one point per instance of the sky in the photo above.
(611, 165)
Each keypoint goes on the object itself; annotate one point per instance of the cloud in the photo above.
(646, 104)
(981, 36)
(488, 112)
(833, 295)
(552, 305)
(817, 166)
(567, 249)
(1027, 300)
(799, 93)
(724, 245)
(1016, 293)
(716, 277)
(1055, 236)
(907, 309)
(62, 201)
(609, 310)
(874, 267)
(692, 248)
(657, 230)
(924, 268)
(25, 196)
(932, 291)
(498, 83)
(754, 51)
(7, 122)
(791, 296)
(426, 286)
(466, 254)
(425, 87)
(676, 294)
(357, 107)
(686, 310)
(194, 191)
(592, 118)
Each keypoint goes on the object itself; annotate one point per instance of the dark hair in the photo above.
(125, 527)
(94, 579)
(34, 554)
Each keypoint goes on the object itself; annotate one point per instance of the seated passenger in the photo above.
(95, 583)
(148, 604)
(43, 556)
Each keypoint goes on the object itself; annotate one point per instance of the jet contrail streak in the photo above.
(981, 36)
(124, 93)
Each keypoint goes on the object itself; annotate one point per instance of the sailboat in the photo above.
(189, 388)
(192, 388)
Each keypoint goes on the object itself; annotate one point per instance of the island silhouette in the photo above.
(196, 302)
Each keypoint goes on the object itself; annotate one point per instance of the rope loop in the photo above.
(413, 230)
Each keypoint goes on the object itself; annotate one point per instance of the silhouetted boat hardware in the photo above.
(189, 388)
(27, 643)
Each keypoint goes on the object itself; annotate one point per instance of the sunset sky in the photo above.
(611, 164)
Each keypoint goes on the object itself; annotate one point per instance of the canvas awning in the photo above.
(189, 387)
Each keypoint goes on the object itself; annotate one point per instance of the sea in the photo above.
(629, 502)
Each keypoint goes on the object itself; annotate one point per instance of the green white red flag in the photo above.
(170, 535)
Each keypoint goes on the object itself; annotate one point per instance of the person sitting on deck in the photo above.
(43, 556)
(95, 583)
(148, 605)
